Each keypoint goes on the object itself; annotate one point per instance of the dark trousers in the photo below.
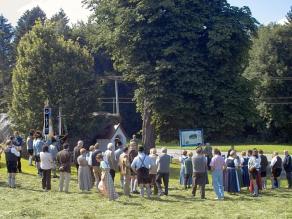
(202, 190)
(289, 179)
(113, 173)
(199, 179)
(19, 162)
(46, 179)
(165, 177)
(153, 183)
(187, 180)
(77, 166)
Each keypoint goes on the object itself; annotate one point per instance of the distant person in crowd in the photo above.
(254, 166)
(53, 150)
(46, 166)
(76, 152)
(276, 167)
(110, 157)
(199, 172)
(287, 164)
(29, 146)
(244, 169)
(38, 145)
(89, 161)
(153, 170)
(232, 184)
(84, 175)
(217, 165)
(64, 161)
(182, 159)
(119, 150)
(141, 165)
(18, 142)
(106, 185)
(238, 164)
(96, 165)
(188, 170)
(263, 170)
(163, 169)
(120, 166)
(208, 154)
(133, 152)
(125, 170)
(134, 142)
(11, 155)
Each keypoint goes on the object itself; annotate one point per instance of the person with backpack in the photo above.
(287, 164)
(11, 154)
(141, 165)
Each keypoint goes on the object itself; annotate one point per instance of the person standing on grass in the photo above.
(46, 166)
(254, 166)
(118, 152)
(163, 169)
(287, 164)
(182, 159)
(84, 175)
(232, 184)
(263, 170)
(153, 170)
(244, 169)
(141, 165)
(217, 165)
(11, 155)
(38, 145)
(106, 184)
(64, 161)
(53, 150)
(29, 146)
(18, 142)
(199, 172)
(208, 154)
(96, 165)
(109, 156)
(276, 166)
(125, 170)
(133, 152)
(76, 153)
(188, 170)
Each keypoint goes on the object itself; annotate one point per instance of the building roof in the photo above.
(110, 131)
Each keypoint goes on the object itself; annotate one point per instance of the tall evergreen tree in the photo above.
(6, 60)
(49, 67)
(61, 21)
(186, 57)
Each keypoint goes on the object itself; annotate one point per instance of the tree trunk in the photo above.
(148, 132)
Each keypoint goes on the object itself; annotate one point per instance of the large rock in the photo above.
(5, 127)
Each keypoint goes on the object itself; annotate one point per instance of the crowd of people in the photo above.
(143, 172)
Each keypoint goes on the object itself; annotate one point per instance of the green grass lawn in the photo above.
(266, 148)
(29, 201)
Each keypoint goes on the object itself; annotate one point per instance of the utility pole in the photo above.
(117, 97)
(60, 121)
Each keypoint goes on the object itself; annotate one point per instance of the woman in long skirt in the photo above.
(106, 185)
(84, 175)
(232, 183)
(244, 169)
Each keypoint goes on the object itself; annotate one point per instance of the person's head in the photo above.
(255, 152)
(91, 148)
(99, 157)
(233, 153)
(66, 146)
(243, 153)
(153, 151)
(31, 133)
(54, 140)
(286, 153)
(190, 154)
(199, 150)
(110, 146)
(164, 150)
(141, 149)
(80, 143)
(46, 148)
(16, 133)
(134, 136)
(96, 146)
(217, 151)
(185, 153)
(12, 138)
(249, 153)
(261, 152)
(82, 151)
(275, 153)
(125, 150)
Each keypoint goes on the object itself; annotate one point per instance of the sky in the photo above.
(265, 11)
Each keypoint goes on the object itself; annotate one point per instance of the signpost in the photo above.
(47, 116)
(190, 137)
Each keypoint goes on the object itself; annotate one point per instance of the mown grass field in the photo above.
(269, 149)
(29, 201)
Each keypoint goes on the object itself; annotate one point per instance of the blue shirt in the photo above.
(38, 146)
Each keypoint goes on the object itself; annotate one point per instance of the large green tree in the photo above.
(270, 68)
(49, 67)
(186, 57)
(6, 60)
(61, 22)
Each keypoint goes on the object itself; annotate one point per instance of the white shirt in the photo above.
(46, 160)
(273, 161)
(254, 162)
(137, 162)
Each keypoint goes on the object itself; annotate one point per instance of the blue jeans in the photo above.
(217, 177)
